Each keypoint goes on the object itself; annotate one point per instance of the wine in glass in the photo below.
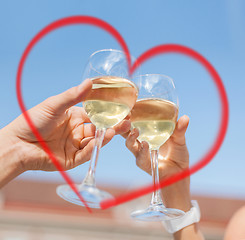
(154, 115)
(110, 100)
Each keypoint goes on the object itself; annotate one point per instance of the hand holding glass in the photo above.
(111, 99)
(154, 115)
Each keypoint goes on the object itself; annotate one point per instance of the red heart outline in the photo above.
(175, 48)
(161, 49)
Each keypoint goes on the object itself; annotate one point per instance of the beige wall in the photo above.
(33, 211)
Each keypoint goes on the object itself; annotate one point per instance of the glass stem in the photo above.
(90, 177)
(156, 196)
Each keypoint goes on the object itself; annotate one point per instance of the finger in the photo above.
(85, 116)
(85, 142)
(110, 133)
(84, 154)
(87, 145)
(78, 131)
(78, 114)
(89, 130)
(59, 103)
(123, 127)
(143, 159)
(132, 143)
(77, 123)
(179, 133)
(128, 116)
(125, 135)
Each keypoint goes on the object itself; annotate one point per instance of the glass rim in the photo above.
(157, 74)
(133, 59)
(169, 79)
(109, 50)
(106, 50)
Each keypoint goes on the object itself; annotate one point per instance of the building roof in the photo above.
(32, 209)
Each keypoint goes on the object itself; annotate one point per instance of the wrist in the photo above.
(177, 195)
(189, 232)
(10, 157)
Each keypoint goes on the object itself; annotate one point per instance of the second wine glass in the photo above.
(154, 115)
(111, 99)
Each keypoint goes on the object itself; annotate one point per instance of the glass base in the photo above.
(156, 213)
(92, 195)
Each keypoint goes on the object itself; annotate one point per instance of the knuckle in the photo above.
(127, 143)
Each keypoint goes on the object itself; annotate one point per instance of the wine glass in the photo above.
(111, 99)
(154, 115)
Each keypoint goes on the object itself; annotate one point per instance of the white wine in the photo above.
(110, 100)
(105, 114)
(155, 133)
(155, 120)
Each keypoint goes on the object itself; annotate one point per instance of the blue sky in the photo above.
(216, 29)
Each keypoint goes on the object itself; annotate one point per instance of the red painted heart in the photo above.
(161, 49)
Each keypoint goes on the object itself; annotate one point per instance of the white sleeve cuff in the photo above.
(190, 217)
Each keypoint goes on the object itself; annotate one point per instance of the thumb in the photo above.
(178, 135)
(67, 99)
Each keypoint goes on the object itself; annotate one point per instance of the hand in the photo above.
(173, 158)
(66, 130)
